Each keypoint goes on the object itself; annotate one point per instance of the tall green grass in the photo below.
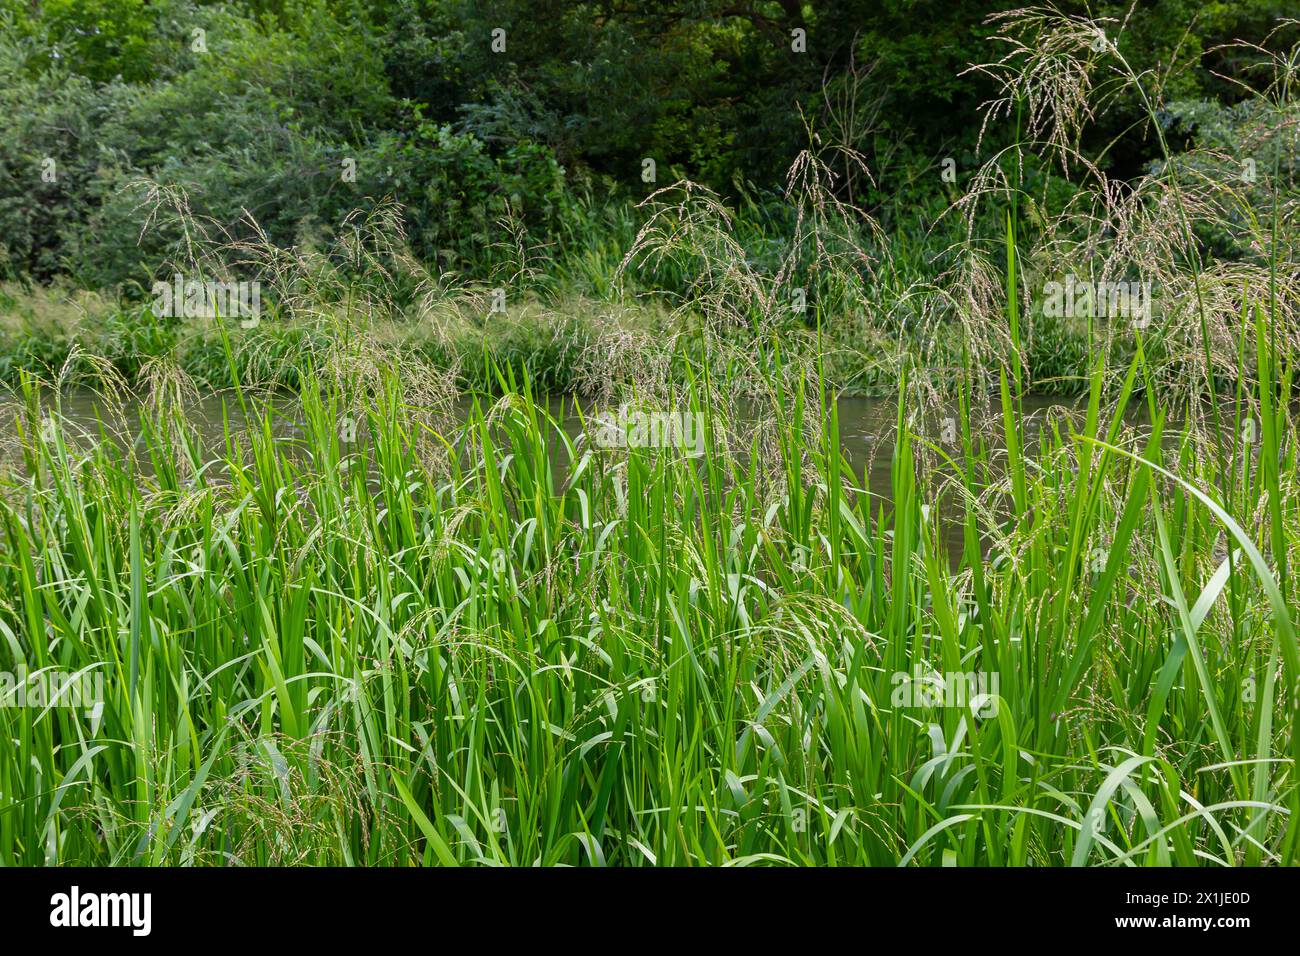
(495, 644)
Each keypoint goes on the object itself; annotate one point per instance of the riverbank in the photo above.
(570, 344)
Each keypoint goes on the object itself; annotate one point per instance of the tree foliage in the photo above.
(459, 108)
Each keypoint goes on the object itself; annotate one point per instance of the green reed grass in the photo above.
(496, 644)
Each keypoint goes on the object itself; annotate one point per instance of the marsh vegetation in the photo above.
(438, 621)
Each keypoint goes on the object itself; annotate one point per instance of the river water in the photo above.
(867, 427)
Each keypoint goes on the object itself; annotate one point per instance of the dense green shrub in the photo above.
(264, 125)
